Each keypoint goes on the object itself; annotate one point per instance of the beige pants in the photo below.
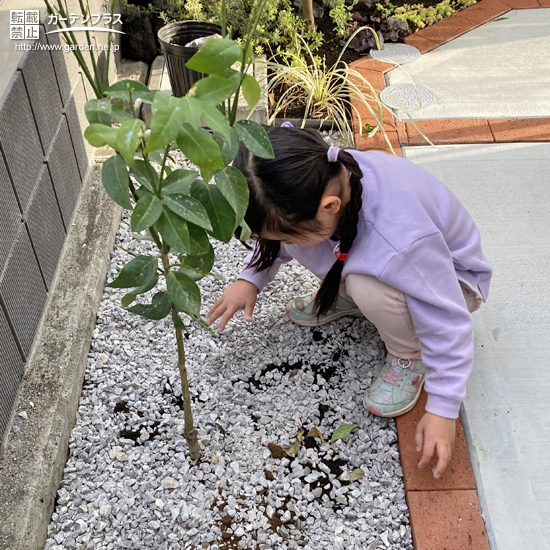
(386, 308)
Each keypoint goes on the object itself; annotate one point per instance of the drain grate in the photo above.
(396, 53)
(406, 96)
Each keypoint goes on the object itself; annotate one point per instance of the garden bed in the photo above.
(129, 482)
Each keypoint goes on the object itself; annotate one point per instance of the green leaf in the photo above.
(156, 156)
(200, 244)
(221, 214)
(204, 262)
(149, 285)
(178, 323)
(159, 307)
(249, 55)
(174, 231)
(193, 274)
(128, 138)
(99, 135)
(212, 117)
(199, 147)
(215, 56)
(254, 138)
(191, 108)
(165, 126)
(230, 149)
(137, 272)
(213, 89)
(233, 75)
(189, 209)
(183, 292)
(207, 174)
(140, 173)
(146, 237)
(127, 299)
(161, 100)
(116, 181)
(122, 116)
(118, 112)
(251, 91)
(246, 232)
(146, 212)
(342, 432)
(179, 181)
(120, 90)
(371, 130)
(234, 188)
(98, 111)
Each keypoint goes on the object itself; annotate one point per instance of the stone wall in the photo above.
(44, 161)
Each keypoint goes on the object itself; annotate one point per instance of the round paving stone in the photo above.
(396, 53)
(406, 96)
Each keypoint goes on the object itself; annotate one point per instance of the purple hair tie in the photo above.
(332, 153)
(287, 124)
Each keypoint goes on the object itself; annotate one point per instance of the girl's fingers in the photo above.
(248, 309)
(444, 457)
(229, 312)
(215, 313)
(418, 439)
(427, 454)
(216, 305)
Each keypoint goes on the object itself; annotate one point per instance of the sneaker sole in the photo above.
(376, 411)
(328, 319)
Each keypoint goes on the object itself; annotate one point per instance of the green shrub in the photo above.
(418, 16)
(341, 15)
(277, 29)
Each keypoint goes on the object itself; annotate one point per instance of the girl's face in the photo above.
(329, 214)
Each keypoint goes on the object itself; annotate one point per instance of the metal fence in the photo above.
(43, 162)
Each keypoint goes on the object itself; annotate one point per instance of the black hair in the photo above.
(285, 193)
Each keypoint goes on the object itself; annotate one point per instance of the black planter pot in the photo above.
(322, 125)
(172, 39)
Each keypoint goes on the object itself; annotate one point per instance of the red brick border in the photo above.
(445, 513)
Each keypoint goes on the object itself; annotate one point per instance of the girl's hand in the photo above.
(435, 432)
(240, 295)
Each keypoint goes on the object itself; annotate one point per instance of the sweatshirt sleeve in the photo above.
(263, 278)
(425, 273)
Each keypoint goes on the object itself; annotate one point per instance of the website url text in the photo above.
(66, 47)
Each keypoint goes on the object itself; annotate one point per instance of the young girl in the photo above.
(390, 242)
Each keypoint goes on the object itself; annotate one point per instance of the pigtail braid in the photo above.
(328, 292)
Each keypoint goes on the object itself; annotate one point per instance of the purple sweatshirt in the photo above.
(416, 236)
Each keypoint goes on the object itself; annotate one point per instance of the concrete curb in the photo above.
(32, 465)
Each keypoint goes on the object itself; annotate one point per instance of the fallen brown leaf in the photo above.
(314, 432)
(295, 447)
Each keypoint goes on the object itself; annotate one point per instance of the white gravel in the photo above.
(129, 482)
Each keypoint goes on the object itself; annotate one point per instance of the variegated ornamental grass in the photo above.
(333, 93)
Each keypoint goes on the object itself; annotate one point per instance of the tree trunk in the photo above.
(307, 14)
(189, 433)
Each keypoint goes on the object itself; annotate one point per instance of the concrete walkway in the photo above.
(506, 188)
(499, 70)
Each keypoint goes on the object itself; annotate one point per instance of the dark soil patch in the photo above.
(122, 406)
(256, 382)
(133, 434)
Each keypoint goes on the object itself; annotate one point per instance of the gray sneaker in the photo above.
(300, 311)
